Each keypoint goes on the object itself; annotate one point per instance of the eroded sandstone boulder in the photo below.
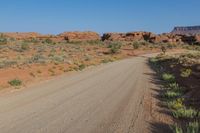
(166, 38)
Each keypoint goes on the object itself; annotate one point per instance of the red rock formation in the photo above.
(131, 36)
(66, 36)
(114, 36)
(197, 38)
(150, 37)
(22, 35)
(166, 38)
(79, 36)
(89, 36)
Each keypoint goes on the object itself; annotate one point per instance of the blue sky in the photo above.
(56, 16)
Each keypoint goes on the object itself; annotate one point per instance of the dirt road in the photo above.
(105, 99)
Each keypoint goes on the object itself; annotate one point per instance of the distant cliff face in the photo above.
(188, 30)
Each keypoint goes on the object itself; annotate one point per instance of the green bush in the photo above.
(175, 104)
(174, 86)
(168, 77)
(176, 129)
(186, 73)
(185, 113)
(7, 63)
(170, 94)
(34, 40)
(15, 82)
(48, 41)
(114, 47)
(81, 67)
(38, 59)
(193, 127)
(57, 59)
(136, 45)
(153, 60)
(24, 46)
(3, 39)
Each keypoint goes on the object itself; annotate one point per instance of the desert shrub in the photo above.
(87, 57)
(170, 45)
(51, 54)
(114, 47)
(143, 42)
(81, 67)
(192, 55)
(48, 41)
(193, 127)
(168, 77)
(12, 39)
(163, 49)
(185, 113)
(57, 59)
(176, 129)
(38, 59)
(24, 46)
(7, 63)
(107, 60)
(34, 40)
(169, 94)
(186, 73)
(3, 39)
(136, 45)
(174, 86)
(175, 104)
(15, 82)
(153, 60)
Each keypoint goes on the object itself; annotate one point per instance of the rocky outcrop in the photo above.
(130, 36)
(66, 36)
(151, 37)
(113, 37)
(93, 36)
(188, 30)
(79, 36)
(166, 38)
(22, 35)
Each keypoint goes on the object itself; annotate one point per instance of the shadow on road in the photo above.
(158, 127)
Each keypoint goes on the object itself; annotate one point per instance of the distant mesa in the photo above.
(186, 30)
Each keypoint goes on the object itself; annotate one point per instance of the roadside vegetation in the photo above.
(180, 92)
(15, 82)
